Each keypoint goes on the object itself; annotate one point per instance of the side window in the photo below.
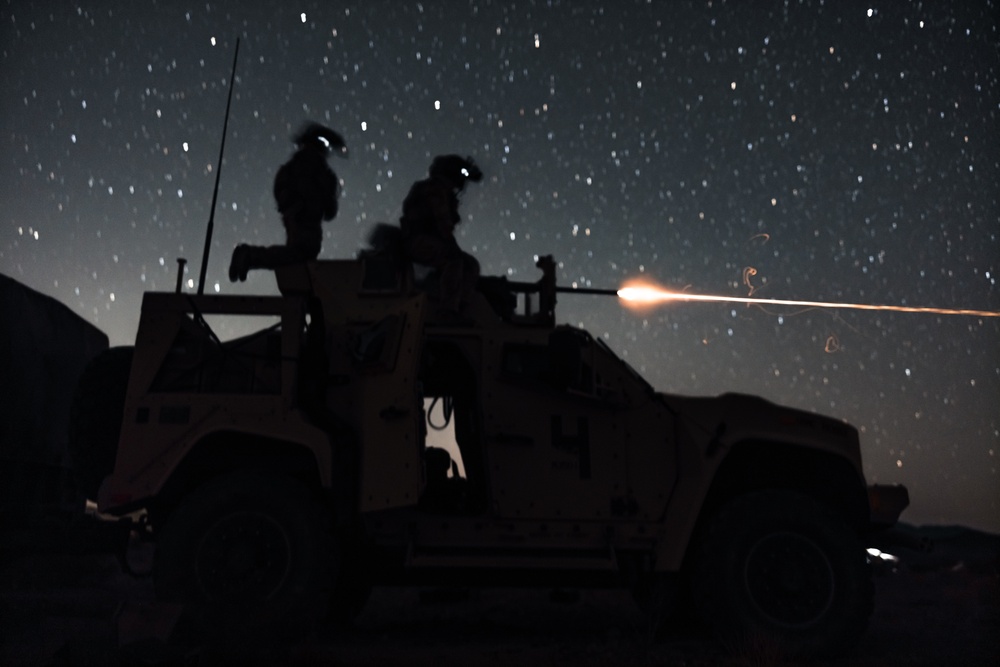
(564, 364)
(572, 357)
(527, 362)
(198, 361)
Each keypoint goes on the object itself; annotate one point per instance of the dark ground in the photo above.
(938, 608)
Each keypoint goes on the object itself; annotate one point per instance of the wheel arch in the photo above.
(756, 465)
(221, 452)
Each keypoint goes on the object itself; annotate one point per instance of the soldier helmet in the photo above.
(456, 169)
(322, 137)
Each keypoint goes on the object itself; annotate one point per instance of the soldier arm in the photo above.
(329, 187)
(443, 210)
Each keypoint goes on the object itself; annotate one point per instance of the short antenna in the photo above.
(218, 173)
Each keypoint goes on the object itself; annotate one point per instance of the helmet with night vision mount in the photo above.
(314, 134)
(456, 169)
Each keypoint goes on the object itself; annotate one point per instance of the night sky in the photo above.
(843, 151)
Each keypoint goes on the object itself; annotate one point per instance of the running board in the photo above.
(512, 559)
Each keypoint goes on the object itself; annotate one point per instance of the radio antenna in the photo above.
(218, 173)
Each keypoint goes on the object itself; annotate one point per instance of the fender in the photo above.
(147, 458)
(735, 442)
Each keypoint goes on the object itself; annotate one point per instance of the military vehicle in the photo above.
(284, 473)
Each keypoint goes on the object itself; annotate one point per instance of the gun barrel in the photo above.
(587, 290)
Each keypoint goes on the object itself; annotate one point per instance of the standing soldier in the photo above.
(306, 191)
(430, 215)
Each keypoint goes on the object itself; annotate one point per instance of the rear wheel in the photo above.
(250, 557)
(778, 571)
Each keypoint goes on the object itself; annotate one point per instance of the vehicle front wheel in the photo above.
(249, 555)
(777, 571)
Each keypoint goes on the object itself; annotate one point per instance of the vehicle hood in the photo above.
(723, 421)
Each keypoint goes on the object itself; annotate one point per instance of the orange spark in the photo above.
(748, 273)
(640, 294)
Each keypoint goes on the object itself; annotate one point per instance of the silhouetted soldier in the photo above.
(430, 215)
(306, 191)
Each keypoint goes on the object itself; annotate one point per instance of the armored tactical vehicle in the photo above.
(284, 473)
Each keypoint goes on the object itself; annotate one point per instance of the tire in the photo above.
(250, 556)
(95, 419)
(779, 573)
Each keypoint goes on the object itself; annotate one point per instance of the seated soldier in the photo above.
(430, 215)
